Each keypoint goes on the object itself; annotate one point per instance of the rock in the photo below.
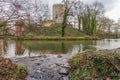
(59, 64)
(59, 56)
(108, 79)
(52, 66)
(45, 67)
(44, 74)
(37, 64)
(64, 78)
(44, 56)
(63, 71)
(66, 65)
(37, 75)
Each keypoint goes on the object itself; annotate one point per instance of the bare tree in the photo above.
(78, 12)
(87, 15)
(104, 25)
(7, 14)
(34, 13)
(96, 10)
(116, 29)
(31, 12)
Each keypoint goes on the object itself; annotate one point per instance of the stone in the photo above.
(59, 56)
(66, 65)
(65, 78)
(37, 64)
(63, 71)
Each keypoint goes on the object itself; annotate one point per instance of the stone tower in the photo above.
(58, 12)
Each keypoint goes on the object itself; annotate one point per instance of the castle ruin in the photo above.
(58, 12)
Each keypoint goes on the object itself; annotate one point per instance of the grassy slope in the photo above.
(53, 33)
(55, 30)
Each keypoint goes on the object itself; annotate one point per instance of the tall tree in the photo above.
(78, 12)
(97, 10)
(87, 15)
(116, 29)
(68, 5)
(104, 25)
(91, 14)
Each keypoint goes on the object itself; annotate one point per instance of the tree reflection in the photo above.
(80, 48)
(0, 48)
(4, 45)
(63, 48)
(19, 49)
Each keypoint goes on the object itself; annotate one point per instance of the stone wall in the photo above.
(58, 12)
(48, 23)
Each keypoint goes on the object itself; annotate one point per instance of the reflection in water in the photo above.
(80, 48)
(1, 48)
(63, 48)
(19, 49)
(4, 45)
(107, 44)
(36, 48)
(48, 47)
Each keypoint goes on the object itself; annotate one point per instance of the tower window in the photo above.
(56, 16)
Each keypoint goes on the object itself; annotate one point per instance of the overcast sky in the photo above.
(112, 7)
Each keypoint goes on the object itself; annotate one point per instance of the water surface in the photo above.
(16, 49)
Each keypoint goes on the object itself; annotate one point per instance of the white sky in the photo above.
(112, 7)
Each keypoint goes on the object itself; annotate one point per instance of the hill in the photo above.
(55, 30)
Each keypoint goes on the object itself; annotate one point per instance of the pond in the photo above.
(18, 49)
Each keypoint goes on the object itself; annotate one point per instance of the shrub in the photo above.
(22, 71)
(58, 30)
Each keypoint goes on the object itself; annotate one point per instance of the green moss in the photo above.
(22, 69)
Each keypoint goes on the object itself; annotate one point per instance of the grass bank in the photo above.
(95, 66)
(66, 38)
(52, 33)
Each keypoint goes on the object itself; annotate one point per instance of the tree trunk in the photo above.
(79, 22)
(64, 23)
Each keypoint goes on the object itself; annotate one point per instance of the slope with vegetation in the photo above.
(95, 66)
(10, 71)
(55, 30)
